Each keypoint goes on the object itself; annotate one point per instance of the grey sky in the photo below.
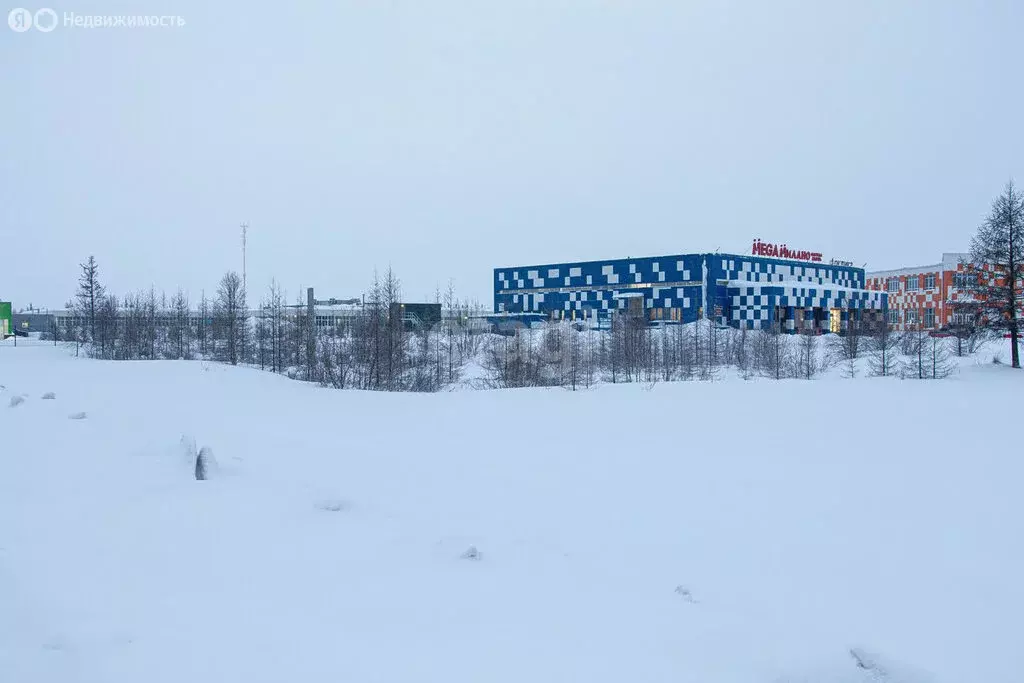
(448, 138)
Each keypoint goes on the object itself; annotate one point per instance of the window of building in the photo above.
(961, 280)
(893, 285)
(894, 316)
(910, 317)
(929, 317)
(929, 281)
(963, 318)
(913, 283)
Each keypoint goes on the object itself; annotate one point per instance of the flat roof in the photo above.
(627, 259)
(950, 260)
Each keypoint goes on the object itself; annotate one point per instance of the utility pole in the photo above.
(245, 229)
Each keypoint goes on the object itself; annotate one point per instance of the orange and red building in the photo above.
(925, 297)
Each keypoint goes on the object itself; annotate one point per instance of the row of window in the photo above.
(913, 282)
(911, 317)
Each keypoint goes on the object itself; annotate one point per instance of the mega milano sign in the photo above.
(782, 251)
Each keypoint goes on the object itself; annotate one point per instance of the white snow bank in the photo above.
(800, 531)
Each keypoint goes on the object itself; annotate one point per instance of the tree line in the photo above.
(368, 347)
(560, 354)
(373, 348)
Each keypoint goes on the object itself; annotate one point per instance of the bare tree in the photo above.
(335, 354)
(968, 335)
(150, 325)
(913, 346)
(807, 361)
(203, 330)
(449, 329)
(572, 357)
(686, 351)
(925, 356)
(107, 325)
(510, 360)
(771, 351)
(997, 253)
(940, 364)
(882, 345)
(740, 351)
(589, 358)
(231, 316)
(394, 338)
(275, 311)
(847, 345)
(180, 332)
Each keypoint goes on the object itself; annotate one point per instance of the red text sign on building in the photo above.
(782, 251)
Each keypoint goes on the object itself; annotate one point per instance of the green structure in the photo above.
(6, 328)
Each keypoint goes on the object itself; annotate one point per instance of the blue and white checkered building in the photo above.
(740, 291)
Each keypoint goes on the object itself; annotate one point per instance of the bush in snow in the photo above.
(16, 401)
(205, 464)
(471, 553)
(49, 396)
(76, 416)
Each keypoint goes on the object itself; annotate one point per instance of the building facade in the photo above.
(33, 322)
(925, 297)
(751, 292)
(6, 325)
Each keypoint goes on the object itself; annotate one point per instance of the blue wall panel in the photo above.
(680, 281)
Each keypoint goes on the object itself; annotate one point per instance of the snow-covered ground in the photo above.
(708, 532)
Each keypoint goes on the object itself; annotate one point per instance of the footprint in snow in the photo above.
(685, 593)
(333, 505)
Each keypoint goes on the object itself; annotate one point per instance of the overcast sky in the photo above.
(448, 138)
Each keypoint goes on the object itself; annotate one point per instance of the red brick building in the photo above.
(924, 296)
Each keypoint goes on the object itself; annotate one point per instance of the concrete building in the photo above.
(41, 322)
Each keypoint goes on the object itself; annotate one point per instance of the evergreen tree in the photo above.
(90, 295)
(997, 256)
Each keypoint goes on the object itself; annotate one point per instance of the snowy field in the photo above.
(754, 532)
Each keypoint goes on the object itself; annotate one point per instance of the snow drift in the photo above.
(846, 531)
